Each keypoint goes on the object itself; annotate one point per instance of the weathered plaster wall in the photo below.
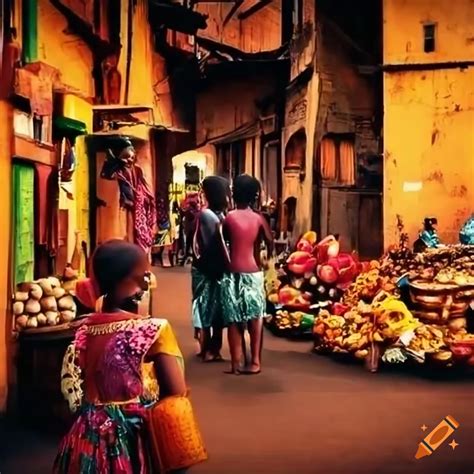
(428, 118)
(6, 134)
(429, 151)
(403, 31)
(225, 106)
(301, 111)
(259, 32)
(64, 51)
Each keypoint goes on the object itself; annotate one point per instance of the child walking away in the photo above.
(243, 293)
(209, 264)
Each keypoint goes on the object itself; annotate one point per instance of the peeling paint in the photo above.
(436, 176)
(459, 191)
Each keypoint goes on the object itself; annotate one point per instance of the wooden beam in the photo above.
(254, 9)
(236, 6)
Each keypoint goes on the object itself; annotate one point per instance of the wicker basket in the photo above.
(437, 302)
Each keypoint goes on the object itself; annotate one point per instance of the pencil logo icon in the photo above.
(437, 437)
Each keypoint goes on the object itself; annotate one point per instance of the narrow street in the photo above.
(304, 414)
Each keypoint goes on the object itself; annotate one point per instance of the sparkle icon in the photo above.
(453, 444)
(424, 428)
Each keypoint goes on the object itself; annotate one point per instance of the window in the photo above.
(295, 152)
(429, 34)
(337, 160)
(231, 159)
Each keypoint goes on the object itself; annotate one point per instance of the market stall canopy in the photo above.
(68, 127)
(173, 15)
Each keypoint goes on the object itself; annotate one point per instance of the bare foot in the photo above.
(253, 369)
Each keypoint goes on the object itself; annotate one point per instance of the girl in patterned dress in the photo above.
(118, 366)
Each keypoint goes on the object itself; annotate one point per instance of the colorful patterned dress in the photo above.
(108, 377)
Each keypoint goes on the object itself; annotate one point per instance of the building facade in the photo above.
(428, 116)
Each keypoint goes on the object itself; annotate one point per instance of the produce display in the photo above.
(44, 302)
(412, 306)
(301, 283)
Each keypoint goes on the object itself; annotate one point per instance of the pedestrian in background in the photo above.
(208, 268)
(243, 292)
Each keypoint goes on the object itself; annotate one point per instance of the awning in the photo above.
(68, 127)
(245, 131)
(175, 16)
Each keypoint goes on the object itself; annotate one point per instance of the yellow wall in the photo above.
(428, 119)
(429, 151)
(63, 51)
(5, 228)
(141, 69)
(403, 30)
(78, 109)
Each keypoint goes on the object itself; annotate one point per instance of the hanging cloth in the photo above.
(133, 181)
(24, 222)
(347, 163)
(328, 159)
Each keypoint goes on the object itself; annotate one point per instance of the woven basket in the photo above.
(438, 302)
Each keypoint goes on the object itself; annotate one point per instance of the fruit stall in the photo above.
(302, 283)
(406, 308)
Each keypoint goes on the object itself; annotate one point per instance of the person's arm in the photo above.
(267, 234)
(168, 362)
(170, 375)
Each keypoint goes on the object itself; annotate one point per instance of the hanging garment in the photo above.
(24, 222)
(133, 182)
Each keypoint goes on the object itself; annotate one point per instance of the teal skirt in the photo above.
(243, 297)
(207, 306)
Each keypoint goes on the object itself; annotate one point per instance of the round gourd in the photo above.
(54, 282)
(46, 286)
(22, 296)
(66, 303)
(36, 291)
(18, 308)
(52, 318)
(21, 321)
(32, 322)
(42, 320)
(59, 292)
(32, 306)
(67, 316)
(49, 303)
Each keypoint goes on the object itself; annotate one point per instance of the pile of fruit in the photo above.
(42, 303)
(451, 263)
(293, 321)
(312, 277)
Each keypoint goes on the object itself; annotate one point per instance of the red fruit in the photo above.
(297, 262)
(461, 352)
(304, 246)
(328, 274)
(339, 309)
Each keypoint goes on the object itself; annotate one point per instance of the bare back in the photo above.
(243, 229)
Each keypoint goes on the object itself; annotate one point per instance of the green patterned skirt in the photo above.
(243, 297)
(207, 306)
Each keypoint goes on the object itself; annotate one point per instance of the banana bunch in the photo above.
(428, 338)
(286, 320)
(393, 318)
(367, 285)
